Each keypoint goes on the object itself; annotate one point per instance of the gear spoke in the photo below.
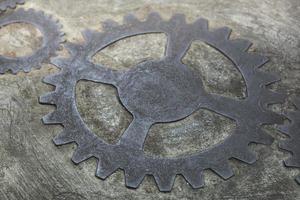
(178, 42)
(223, 105)
(135, 134)
(99, 73)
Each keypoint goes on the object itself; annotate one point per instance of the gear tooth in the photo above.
(194, 177)
(80, 155)
(130, 19)
(164, 182)
(223, 32)
(21, 11)
(285, 145)
(241, 44)
(109, 24)
(63, 138)
(257, 61)
(61, 34)
(297, 179)
(50, 17)
(271, 97)
(261, 137)
(87, 34)
(51, 79)
(48, 98)
(266, 78)
(284, 129)
(178, 18)
(133, 178)
(292, 114)
(224, 170)
(59, 62)
(201, 23)
(273, 118)
(246, 156)
(292, 162)
(56, 61)
(10, 5)
(105, 168)
(52, 118)
(296, 102)
(14, 70)
(31, 10)
(72, 48)
(60, 26)
(27, 69)
(271, 78)
(154, 17)
(62, 40)
(40, 12)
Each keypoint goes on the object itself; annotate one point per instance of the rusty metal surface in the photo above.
(163, 90)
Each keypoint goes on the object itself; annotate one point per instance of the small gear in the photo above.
(10, 4)
(293, 143)
(163, 90)
(52, 38)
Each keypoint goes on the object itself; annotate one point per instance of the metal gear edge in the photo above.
(250, 113)
(293, 143)
(52, 39)
(10, 4)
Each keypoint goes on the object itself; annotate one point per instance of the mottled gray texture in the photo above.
(31, 167)
(28, 38)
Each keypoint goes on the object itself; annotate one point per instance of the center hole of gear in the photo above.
(19, 39)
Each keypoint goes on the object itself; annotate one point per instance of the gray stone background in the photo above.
(32, 167)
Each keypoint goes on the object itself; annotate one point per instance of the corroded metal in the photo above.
(52, 38)
(163, 90)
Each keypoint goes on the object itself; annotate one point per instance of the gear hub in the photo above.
(160, 91)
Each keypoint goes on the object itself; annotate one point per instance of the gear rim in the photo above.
(136, 165)
(52, 39)
(293, 143)
(10, 4)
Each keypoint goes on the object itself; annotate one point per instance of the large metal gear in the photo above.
(10, 4)
(52, 38)
(293, 143)
(161, 91)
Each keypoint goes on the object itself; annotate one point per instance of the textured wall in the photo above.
(32, 167)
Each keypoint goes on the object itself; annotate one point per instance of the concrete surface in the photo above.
(32, 167)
